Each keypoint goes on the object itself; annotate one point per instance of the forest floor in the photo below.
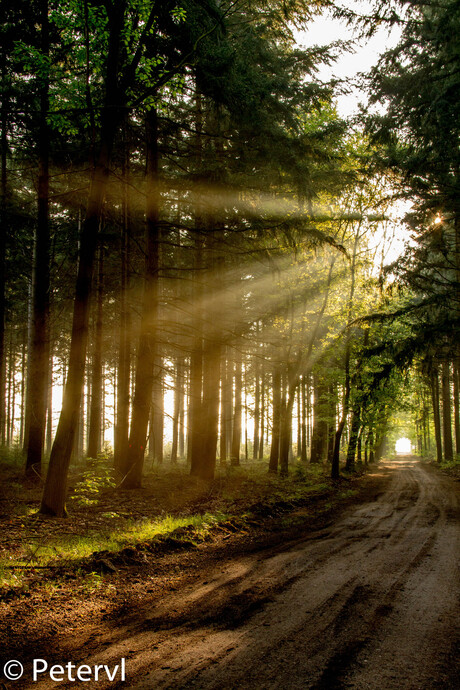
(295, 585)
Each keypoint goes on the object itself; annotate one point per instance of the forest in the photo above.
(220, 299)
(194, 244)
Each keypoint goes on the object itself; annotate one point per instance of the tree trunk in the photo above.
(319, 431)
(299, 418)
(9, 375)
(371, 447)
(49, 407)
(434, 387)
(331, 422)
(446, 413)
(195, 419)
(147, 348)
(95, 417)
(37, 385)
(4, 207)
(245, 386)
(353, 442)
(256, 441)
(55, 490)
(237, 412)
(262, 412)
(225, 409)
(381, 445)
(23, 388)
(286, 428)
(210, 408)
(178, 392)
(183, 395)
(456, 407)
(124, 345)
(204, 466)
(359, 445)
(276, 421)
(303, 390)
(157, 418)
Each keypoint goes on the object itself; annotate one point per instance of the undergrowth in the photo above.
(72, 549)
(103, 518)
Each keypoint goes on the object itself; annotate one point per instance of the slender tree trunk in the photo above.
(456, 407)
(212, 353)
(182, 411)
(319, 431)
(381, 444)
(95, 417)
(237, 414)
(359, 445)
(434, 386)
(262, 412)
(331, 422)
(428, 433)
(11, 392)
(210, 407)
(286, 428)
(371, 447)
(86, 403)
(446, 413)
(188, 405)
(8, 390)
(157, 417)
(276, 421)
(309, 413)
(178, 391)
(195, 418)
(124, 344)
(256, 441)
(147, 349)
(49, 407)
(4, 205)
(23, 388)
(335, 465)
(246, 450)
(353, 442)
(29, 348)
(39, 353)
(299, 420)
(303, 390)
(225, 408)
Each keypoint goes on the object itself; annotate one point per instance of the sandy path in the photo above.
(371, 602)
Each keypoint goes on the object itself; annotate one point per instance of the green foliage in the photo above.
(88, 489)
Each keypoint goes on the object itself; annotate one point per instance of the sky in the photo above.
(348, 66)
(325, 29)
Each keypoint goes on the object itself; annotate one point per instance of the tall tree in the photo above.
(37, 384)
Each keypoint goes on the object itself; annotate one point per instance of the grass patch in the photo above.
(72, 549)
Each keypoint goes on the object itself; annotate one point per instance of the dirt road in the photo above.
(369, 602)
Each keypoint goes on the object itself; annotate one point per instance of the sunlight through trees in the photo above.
(193, 243)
